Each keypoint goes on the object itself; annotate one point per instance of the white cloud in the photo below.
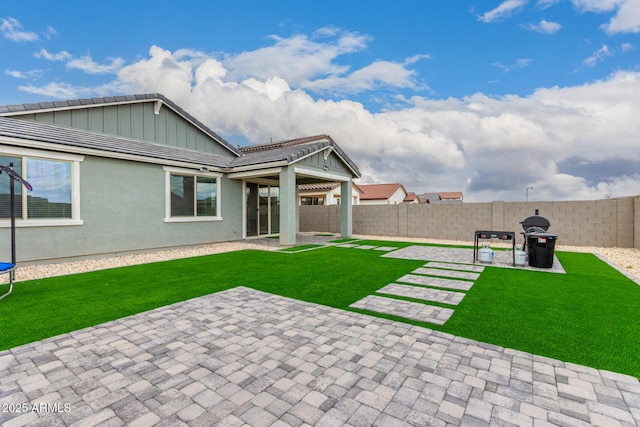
(50, 32)
(597, 6)
(16, 74)
(544, 4)
(520, 63)
(60, 56)
(490, 148)
(296, 59)
(626, 47)
(625, 20)
(88, 65)
(598, 55)
(504, 10)
(374, 75)
(23, 74)
(12, 30)
(545, 27)
(68, 91)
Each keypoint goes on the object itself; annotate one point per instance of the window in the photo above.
(55, 199)
(191, 196)
(312, 200)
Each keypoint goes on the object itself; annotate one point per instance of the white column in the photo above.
(346, 201)
(288, 208)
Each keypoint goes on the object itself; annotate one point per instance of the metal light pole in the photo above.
(526, 193)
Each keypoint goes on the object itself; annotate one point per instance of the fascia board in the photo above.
(315, 173)
(256, 173)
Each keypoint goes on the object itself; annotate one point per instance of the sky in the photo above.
(489, 98)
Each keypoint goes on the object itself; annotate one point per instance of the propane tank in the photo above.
(486, 254)
(521, 258)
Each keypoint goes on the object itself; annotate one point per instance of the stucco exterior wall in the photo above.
(605, 223)
(123, 209)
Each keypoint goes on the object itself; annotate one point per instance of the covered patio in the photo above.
(271, 174)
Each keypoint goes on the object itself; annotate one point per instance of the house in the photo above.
(411, 198)
(382, 194)
(325, 193)
(133, 173)
(444, 197)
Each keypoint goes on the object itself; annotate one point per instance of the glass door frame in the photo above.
(264, 220)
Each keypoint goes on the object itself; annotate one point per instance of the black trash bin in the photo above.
(541, 247)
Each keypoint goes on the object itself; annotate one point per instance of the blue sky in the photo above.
(485, 97)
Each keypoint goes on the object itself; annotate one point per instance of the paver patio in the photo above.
(246, 357)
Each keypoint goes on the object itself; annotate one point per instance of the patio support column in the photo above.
(346, 201)
(288, 208)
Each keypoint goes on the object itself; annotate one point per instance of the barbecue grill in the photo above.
(538, 243)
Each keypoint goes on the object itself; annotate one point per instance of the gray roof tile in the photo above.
(67, 137)
(33, 107)
(283, 151)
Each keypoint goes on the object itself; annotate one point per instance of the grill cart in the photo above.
(539, 244)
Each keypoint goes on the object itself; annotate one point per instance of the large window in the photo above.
(192, 197)
(54, 199)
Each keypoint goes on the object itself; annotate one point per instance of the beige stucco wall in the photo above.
(606, 223)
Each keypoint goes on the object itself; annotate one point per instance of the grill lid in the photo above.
(535, 221)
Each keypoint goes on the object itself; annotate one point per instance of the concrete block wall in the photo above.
(604, 223)
(451, 221)
(383, 219)
(636, 222)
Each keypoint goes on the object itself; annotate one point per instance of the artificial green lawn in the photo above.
(588, 316)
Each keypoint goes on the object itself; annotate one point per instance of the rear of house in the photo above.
(135, 173)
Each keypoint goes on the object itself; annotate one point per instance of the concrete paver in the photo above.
(426, 294)
(437, 282)
(305, 364)
(407, 309)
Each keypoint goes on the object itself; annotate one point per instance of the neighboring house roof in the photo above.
(441, 197)
(324, 186)
(410, 197)
(21, 109)
(379, 191)
(452, 195)
(78, 141)
(292, 150)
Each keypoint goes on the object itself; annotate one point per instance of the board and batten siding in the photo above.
(136, 121)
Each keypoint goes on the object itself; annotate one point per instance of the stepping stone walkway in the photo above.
(426, 294)
(460, 285)
(406, 309)
(454, 266)
(447, 273)
(424, 276)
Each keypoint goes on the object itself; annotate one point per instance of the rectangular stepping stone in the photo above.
(454, 266)
(433, 253)
(460, 285)
(446, 273)
(385, 248)
(405, 309)
(347, 245)
(365, 247)
(426, 294)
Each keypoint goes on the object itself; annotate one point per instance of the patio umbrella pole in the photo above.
(12, 206)
(13, 176)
